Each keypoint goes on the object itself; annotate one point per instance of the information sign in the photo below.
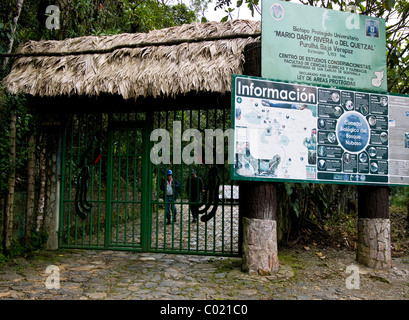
(311, 45)
(286, 131)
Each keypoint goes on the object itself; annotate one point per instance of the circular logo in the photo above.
(277, 11)
(353, 132)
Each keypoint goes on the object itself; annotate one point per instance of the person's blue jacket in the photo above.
(176, 188)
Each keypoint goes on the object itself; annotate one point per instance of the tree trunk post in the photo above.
(9, 211)
(30, 189)
(258, 207)
(258, 203)
(374, 237)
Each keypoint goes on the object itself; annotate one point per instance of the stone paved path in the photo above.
(313, 274)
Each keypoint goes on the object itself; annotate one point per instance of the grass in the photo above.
(292, 261)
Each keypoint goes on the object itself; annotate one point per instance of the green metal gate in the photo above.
(126, 187)
(111, 196)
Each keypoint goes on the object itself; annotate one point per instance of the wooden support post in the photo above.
(258, 203)
(374, 242)
(258, 207)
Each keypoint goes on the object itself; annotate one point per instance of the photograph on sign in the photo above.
(285, 131)
(311, 45)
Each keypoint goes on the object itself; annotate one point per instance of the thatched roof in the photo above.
(149, 71)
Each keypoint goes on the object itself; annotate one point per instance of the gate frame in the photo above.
(148, 106)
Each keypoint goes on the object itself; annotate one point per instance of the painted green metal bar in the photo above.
(205, 238)
(197, 223)
(165, 200)
(157, 183)
(157, 207)
(189, 226)
(92, 190)
(126, 183)
(118, 177)
(109, 187)
(216, 216)
(100, 164)
(173, 202)
(134, 192)
(146, 185)
(62, 190)
(180, 218)
(71, 158)
(99, 198)
(223, 180)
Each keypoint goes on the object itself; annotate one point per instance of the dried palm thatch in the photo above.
(133, 71)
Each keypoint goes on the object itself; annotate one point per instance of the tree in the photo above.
(13, 29)
(11, 180)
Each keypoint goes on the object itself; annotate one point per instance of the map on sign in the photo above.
(268, 130)
(286, 131)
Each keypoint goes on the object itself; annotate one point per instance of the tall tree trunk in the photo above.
(41, 199)
(13, 30)
(30, 189)
(9, 212)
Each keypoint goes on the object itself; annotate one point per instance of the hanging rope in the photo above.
(211, 196)
(82, 205)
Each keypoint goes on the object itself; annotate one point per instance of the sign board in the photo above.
(301, 133)
(306, 44)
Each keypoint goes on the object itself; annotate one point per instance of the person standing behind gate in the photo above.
(170, 187)
(194, 187)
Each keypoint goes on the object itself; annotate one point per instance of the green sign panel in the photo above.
(306, 44)
(293, 132)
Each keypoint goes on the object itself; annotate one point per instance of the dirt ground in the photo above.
(324, 262)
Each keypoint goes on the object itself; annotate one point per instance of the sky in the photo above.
(243, 13)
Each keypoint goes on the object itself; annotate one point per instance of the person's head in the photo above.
(169, 174)
(193, 173)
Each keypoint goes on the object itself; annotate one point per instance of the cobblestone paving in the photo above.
(111, 275)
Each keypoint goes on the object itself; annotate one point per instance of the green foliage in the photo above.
(37, 243)
(24, 124)
(307, 200)
(3, 259)
(93, 17)
(155, 15)
(400, 197)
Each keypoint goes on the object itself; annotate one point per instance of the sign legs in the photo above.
(374, 242)
(258, 205)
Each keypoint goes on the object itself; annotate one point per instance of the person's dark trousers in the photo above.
(194, 207)
(170, 205)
